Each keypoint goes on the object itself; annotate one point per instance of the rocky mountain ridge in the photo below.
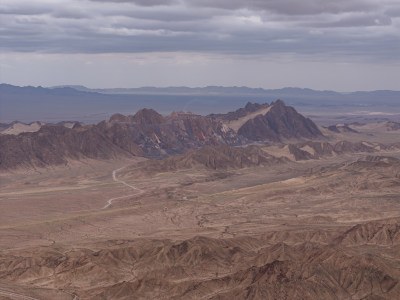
(214, 158)
(224, 157)
(279, 123)
(149, 134)
(269, 122)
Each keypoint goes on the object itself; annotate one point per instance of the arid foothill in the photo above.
(256, 203)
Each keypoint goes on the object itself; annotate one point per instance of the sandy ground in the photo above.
(70, 208)
(59, 206)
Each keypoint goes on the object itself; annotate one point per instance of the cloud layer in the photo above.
(359, 29)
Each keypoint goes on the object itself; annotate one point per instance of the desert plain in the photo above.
(312, 228)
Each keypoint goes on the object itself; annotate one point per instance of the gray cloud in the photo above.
(23, 9)
(393, 12)
(69, 13)
(363, 20)
(293, 7)
(140, 2)
(368, 28)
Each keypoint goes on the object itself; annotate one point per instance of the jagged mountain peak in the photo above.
(273, 122)
(145, 116)
(276, 123)
(251, 107)
(150, 134)
(278, 102)
(148, 116)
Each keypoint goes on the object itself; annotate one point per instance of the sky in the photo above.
(341, 45)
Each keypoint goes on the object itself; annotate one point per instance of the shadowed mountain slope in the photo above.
(279, 123)
(315, 150)
(274, 122)
(149, 134)
(215, 157)
(146, 133)
(144, 116)
(54, 145)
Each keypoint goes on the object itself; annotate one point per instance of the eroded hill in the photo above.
(149, 134)
(354, 264)
(304, 219)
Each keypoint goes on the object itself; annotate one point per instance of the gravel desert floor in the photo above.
(326, 228)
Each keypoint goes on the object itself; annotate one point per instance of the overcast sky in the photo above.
(342, 45)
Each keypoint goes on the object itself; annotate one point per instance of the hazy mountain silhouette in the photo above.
(28, 104)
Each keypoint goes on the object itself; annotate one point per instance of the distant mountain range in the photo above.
(78, 103)
(235, 90)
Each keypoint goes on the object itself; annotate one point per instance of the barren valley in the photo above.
(301, 218)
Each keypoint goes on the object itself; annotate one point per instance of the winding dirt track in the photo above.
(114, 176)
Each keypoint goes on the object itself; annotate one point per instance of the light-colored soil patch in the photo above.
(18, 128)
(279, 151)
(236, 124)
(308, 149)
